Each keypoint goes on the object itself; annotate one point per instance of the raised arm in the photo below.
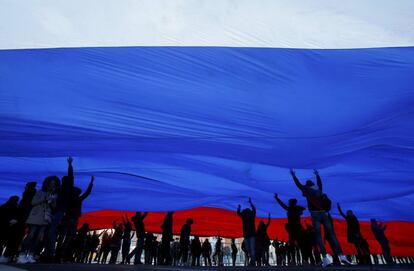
(340, 211)
(252, 205)
(318, 179)
(144, 215)
(268, 221)
(89, 190)
(70, 169)
(238, 210)
(281, 203)
(295, 179)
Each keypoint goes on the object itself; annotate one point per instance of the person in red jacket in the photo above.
(319, 213)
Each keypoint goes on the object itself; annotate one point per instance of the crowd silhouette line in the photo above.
(43, 226)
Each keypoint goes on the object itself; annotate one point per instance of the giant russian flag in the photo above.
(176, 105)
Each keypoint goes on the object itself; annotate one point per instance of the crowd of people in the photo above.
(43, 226)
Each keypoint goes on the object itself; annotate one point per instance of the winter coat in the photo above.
(43, 203)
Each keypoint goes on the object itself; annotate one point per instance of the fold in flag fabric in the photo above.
(176, 105)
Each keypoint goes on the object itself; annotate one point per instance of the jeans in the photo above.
(69, 232)
(319, 217)
(52, 233)
(33, 238)
(250, 243)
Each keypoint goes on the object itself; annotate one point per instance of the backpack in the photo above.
(326, 202)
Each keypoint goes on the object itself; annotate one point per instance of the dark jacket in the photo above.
(167, 228)
(8, 211)
(139, 224)
(64, 195)
(248, 219)
(75, 204)
(185, 233)
(313, 194)
(25, 205)
(196, 247)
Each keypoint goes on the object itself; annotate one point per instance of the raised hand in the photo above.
(276, 196)
(250, 200)
(70, 160)
(316, 172)
(92, 179)
(292, 172)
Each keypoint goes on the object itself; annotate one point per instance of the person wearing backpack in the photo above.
(319, 205)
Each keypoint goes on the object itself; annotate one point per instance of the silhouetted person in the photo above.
(167, 237)
(154, 251)
(17, 230)
(317, 208)
(105, 247)
(43, 202)
(62, 204)
(8, 218)
(138, 221)
(218, 252)
(263, 241)
(206, 251)
(234, 251)
(195, 251)
(293, 226)
(246, 253)
(366, 253)
(248, 217)
(71, 219)
(335, 257)
(116, 240)
(78, 244)
(309, 244)
(93, 245)
(175, 251)
(354, 235)
(126, 238)
(185, 239)
(378, 229)
(148, 246)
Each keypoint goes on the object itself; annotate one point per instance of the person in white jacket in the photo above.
(39, 218)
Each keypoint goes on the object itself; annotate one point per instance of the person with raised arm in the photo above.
(72, 215)
(138, 221)
(248, 217)
(317, 205)
(378, 229)
(354, 235)
(62, 205)
(293, 226)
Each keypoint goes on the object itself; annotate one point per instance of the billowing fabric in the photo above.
(179, 127)
(174, 104)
